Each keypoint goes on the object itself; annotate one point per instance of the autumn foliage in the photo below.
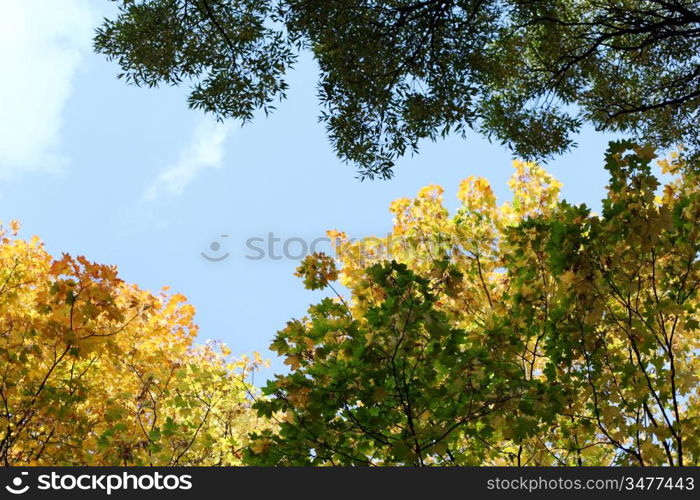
(94, 371)
(533, 332)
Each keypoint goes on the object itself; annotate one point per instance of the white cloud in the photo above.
(42, 43)
(205, 150)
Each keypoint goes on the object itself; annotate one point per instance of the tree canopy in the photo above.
(533, 332)
(94, 371)
(522, 72)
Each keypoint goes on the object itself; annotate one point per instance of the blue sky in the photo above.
(131, 177)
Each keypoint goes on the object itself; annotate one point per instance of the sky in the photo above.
(131, 177)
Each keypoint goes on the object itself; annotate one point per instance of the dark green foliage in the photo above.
(522, 72)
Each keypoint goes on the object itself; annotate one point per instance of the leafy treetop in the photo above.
(528, 333)
(95, 371)
(522, 72)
